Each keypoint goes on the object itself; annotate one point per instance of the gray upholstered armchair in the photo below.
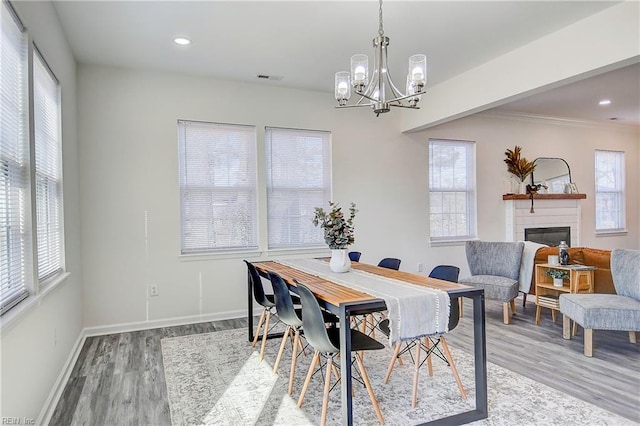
(594, 311)
(495, 266)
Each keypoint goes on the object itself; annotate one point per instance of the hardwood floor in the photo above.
(118, 379)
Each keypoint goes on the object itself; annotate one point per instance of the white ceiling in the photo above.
(306, 42)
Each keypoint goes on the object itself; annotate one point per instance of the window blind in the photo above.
(452, 189)
(48, 170)
(298, 180)
(14, 176)
(218, 186)
(610, 197)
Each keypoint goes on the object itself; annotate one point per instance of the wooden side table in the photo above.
(547, 295)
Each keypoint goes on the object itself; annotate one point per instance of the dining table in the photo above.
(345, 302)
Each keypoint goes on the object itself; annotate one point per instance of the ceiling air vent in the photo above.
(269, 77)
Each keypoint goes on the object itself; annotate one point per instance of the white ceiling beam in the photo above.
(601, 42)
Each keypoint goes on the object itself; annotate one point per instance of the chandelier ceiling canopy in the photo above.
(379, 92)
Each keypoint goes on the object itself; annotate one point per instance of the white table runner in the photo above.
(413, 310)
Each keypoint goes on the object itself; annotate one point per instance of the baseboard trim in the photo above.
(56, 392)
(165, 322)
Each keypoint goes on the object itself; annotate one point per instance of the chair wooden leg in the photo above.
(460, 305)
(588, 342)
(367, 384)
(264, 335)
(396, 351)
(513, 306)
(505, 312)
(314, 361)
(632, 337)
(427, 343)
(416, 376)
(447, 353)
(255, 337)
(294, 358)
(282, 345)
(325, 394)
(575, 329)
(566, 327)
(553, 315)
(538, 310)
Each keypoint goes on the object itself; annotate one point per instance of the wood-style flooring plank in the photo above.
(126, 370)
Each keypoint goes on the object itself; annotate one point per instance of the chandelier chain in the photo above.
(380, 30)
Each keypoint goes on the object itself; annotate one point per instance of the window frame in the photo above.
(315, 236)
(469, 190)
(251, 189)
(53, 207)
(618, 191)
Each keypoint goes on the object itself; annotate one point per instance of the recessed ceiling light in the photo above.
(605, 102)
(182, 41)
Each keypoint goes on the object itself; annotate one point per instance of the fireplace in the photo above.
(550, 236)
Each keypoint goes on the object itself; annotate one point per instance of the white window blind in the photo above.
(298, 180)
(218, 186)
(452, 190)
(48, 175)
(14, 155)
(610, 196)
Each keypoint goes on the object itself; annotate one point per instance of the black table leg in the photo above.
(345, 366)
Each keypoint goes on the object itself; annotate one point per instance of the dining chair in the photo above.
(292, 318)
(267, 301)
(354, 256)
(430, 344)
(390, 263)
(326, 342)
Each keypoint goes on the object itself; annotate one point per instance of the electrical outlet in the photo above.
(420, 267)
(153, 290)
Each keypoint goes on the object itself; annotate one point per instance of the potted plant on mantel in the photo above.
(519, 167)
(338, 233)
(558, 276)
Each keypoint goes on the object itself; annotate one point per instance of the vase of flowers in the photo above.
(519, 167)
(338, 233)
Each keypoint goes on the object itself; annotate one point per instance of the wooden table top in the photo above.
(336, 294)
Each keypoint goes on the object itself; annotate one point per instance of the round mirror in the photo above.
(554, 173)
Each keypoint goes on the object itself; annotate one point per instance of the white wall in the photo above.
(38, 341)
(129, 169)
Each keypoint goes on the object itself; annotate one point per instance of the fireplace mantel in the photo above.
(544, 196)
(550, 210)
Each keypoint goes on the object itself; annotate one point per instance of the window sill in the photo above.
(13, 316)
(243, 254)
(445, 243)
(613, 233)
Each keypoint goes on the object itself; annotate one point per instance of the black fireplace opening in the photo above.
(549, 236)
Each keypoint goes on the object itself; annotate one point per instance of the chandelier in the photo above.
(379, 92)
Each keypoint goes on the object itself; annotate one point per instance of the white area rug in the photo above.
(217, 379)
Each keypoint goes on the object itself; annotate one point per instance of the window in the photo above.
(452, 191)
(610, 208)
(298, 180)
(217, 186)
(14, 160)
(48, 170)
